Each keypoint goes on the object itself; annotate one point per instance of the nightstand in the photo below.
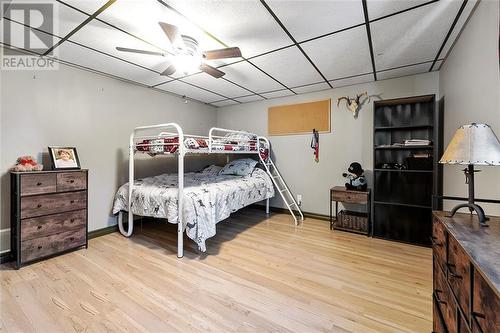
(349, 220)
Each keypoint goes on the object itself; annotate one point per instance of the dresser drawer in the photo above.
(459, 274)
(485, 305)
(45, 246)
(52, 203)
(444, 300)
(38, 183)
(349, 197)
(71, 181)
(52, 224)
(439, 242)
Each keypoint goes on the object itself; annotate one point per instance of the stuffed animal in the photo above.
(357, 180)
(26, 163)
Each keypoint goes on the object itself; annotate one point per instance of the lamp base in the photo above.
(472, 207)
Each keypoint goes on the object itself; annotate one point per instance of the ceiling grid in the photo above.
(332, 49)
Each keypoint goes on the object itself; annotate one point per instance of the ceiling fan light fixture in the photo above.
(188, 64)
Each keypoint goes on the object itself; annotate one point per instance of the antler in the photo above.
(359, 96)
(347, 99)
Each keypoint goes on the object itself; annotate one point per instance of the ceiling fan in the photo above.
(186, 54)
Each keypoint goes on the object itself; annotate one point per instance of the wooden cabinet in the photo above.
(466, 274)
(48, 214)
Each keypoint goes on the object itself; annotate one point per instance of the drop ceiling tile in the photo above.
(458, 27)
(246, 24)
(250, 77)
(87, 6)
(404, 71)
(251, 98)
(379, 8)
(220, 86)
(341, 55)
(65, 18)
(418, 37)
(183, 89)
(311, 88)
(352, 81)
(227, 102)
(104, 38)
(317, 17)
(88, 58)
(289, 66)
(277, 94)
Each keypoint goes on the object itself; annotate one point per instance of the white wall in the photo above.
(470, 84)
(94, 113)
(350, 140)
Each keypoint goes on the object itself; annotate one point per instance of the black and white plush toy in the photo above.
(357, 180)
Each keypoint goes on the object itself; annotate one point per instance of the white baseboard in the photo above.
(4, 240)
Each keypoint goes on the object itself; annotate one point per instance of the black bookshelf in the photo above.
(402, 189)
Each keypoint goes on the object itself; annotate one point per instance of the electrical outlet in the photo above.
(299, 199)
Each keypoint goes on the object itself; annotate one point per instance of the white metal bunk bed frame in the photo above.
(181, 151)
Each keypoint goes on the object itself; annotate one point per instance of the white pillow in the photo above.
(211, 170)
(240, 137)
(240, 167)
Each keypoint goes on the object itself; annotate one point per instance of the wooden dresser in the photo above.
(466, 274)
(48, 214)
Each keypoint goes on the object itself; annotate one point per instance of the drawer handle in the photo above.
(38, 184)
(452, 273)
(72, 181)
(39, 206)
(72, 220)
(478, 315)
(39, 227)
(39, 247)
(72, 201)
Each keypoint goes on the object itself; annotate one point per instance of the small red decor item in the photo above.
(26, 163)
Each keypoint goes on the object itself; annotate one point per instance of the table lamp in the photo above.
(472, 144)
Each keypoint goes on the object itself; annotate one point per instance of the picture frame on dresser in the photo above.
(49, 214)
(64, 158)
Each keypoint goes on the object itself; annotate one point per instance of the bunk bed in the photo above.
(197, 201)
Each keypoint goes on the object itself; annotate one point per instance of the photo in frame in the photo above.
(64, 158)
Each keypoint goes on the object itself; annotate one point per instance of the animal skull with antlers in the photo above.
(353, 104)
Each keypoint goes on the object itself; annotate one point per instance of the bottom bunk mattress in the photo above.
(208, 199)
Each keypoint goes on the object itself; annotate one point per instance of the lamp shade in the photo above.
(473, 144)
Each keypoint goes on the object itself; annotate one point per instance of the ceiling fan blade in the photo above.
(171, 31)
(212, 71)
(169, 70)
(126, 49)
(229, 52)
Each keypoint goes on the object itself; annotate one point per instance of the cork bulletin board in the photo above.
(299, 118)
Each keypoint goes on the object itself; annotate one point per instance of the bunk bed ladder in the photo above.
(282, 188)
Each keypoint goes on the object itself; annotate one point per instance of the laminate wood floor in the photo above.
(260, 274)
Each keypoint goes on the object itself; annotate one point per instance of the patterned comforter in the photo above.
(208, 199)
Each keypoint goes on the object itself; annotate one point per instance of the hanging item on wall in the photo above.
(26, 163)
(315, 144)
(356, 103)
